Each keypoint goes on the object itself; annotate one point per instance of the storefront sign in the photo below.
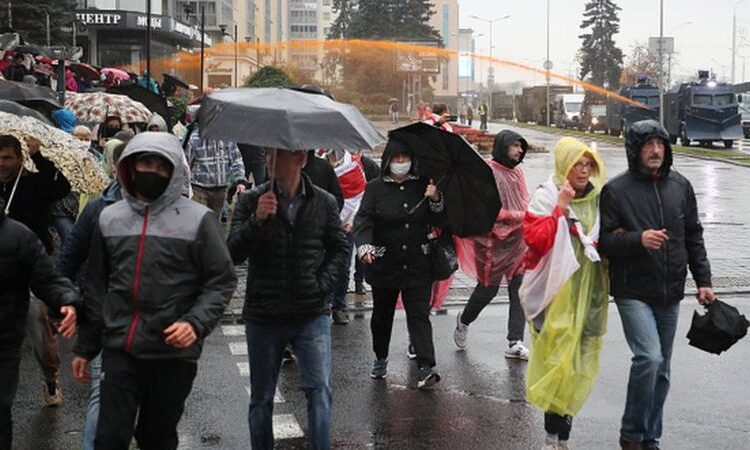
(123, 20)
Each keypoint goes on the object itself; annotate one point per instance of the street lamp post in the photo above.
(661, 62)
(490, 88)
(734, 35)
(148, 44)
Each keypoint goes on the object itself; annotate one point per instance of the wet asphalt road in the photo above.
(480, 402)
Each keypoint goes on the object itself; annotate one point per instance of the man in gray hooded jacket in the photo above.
(159, 279)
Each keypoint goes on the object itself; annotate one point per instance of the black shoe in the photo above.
(410, 352)
(428, 377)
(340, 317)
(359, 288)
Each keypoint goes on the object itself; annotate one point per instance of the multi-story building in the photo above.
(466, 67)
(445, 21)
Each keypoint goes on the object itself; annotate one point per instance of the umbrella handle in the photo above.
(415, 207)
(13, 191)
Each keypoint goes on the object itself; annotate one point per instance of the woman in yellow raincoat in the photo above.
(564, 292)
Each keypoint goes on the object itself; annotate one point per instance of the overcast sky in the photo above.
(704, 43)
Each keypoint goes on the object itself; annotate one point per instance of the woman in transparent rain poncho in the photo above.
(564, 291)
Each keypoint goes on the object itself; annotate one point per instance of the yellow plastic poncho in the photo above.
(564, 360)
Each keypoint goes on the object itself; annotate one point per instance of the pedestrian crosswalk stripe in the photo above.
(245, 372)
(244, 369)
(285, 426)
(233, 330)
(238, 348)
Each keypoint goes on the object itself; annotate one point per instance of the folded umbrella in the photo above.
(65, 151)
(18, 109)
(284, 119)
(94, 107)
(461, 174)
(718, 329)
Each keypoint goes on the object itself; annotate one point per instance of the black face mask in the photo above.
(149, 185)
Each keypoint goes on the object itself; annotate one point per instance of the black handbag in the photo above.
(443, 257)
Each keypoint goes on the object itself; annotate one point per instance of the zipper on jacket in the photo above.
(665, 259)
(136, 281)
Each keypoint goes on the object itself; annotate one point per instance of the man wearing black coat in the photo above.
(323, 176)
(291, 234)
(651, 233)
(30, 204)
(24, 264)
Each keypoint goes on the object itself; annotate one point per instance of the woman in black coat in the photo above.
(391, 237)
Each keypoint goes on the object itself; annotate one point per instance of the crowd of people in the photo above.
(155, 269)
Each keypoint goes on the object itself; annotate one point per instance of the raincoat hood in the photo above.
(639, 134)
(392, 148)
(567, 152)
(163, 144)
(159, 121)
(502, 143)
(64, 119)
(109, 149)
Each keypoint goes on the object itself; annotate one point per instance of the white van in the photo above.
(567, 109)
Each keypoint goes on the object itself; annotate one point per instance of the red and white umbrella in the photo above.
(94, 107)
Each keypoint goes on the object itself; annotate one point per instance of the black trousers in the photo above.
(483, 295)
(154, 390)
(417, 304)
(559, 425)
(9, 362)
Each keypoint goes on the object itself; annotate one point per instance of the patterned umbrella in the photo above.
(94, 107)
(67, 153)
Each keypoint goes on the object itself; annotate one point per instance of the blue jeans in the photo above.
(338, 300)
(649, 331)
(92, 410)
(311, 342)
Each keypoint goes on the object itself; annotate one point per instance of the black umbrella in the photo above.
(30, 49)
(718, 329)
(153, 102)
(462, 175)
(175, 81)
(22, 111)
(284, 119)
(40, 98)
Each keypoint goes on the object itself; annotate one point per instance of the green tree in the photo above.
(601, 60)
(269, 76)
(29, 20)
(393, 20)
(344, 10)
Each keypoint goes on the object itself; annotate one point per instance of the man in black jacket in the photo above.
(32, 196)
(323, 176)
(24, 264)
(290, 232)
(651, 233)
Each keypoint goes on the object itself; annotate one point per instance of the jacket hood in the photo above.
(503, 141)
(109, 149)
(159, 121)
(567, 152)
(396, 147)
(163, 144)
(64, 119)
(639, 134)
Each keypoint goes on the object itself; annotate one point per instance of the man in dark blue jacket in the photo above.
(24, 264)
(651, 233)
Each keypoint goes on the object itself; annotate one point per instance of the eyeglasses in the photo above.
(581, 165)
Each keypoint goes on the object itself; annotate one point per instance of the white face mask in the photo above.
(400, 169)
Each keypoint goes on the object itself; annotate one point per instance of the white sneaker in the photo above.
(517, 351)
(461, 333)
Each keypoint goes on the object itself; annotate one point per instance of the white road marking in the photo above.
(238, 348)
(277, 397)
(285, 426)
(244, 368)
(233, 330)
